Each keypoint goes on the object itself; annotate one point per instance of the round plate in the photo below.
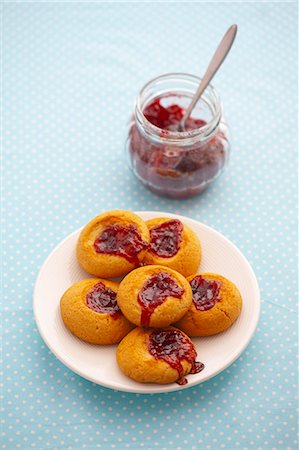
(98, 363)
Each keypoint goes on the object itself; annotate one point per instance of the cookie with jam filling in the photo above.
(173, 244)
(157, 355)
(90, 311)
(154, 296)
(112, 244)
(216, 305)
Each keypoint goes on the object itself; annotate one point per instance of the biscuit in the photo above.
(173, 244)
(89, 310)
(157, 355)
(154, 296)
(216, 304)
(112, 244)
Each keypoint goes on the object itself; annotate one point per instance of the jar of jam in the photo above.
(177, 164)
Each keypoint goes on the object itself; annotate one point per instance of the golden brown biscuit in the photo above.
(89, 310)
(154, 296)
(216, 304)
(157, 355)
(173, 244)
(112, 244)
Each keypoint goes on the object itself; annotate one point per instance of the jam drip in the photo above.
(154, 292)
(119, 240)
(102, 300)
(166, 238)
(205, 293)
(173, 347)
(169, 118)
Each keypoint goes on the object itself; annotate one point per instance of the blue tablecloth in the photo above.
(71, 73)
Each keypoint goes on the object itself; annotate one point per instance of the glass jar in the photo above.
(172, 163)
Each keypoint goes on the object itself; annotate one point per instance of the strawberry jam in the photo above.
(170, 162)
(102, 299)
(168, 118)
(173, 347)
(120, 240)
(154, 292)
(205, 293)
(166, 238)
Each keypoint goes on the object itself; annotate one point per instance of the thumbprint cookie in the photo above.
(90, 311)
(216, 304)
(157, 355)
(112, 244)
(173, 244)
(154, 296)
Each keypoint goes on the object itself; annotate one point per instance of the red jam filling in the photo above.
(175, 170)
(205, 293)
(173, 347)
(168, 118)
(166, 238)
(120, 240)
(154, 292)
(102, 299)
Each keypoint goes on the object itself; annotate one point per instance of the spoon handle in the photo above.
(218, 58)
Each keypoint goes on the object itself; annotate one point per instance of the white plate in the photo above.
(98, 363)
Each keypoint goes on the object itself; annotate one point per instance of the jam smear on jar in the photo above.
(166, 238)
(168, 118)
(173, 347)
(125, 241)
(102, 299)
(154, 292)
(205, 293)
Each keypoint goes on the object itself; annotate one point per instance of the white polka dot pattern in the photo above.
(71, 73)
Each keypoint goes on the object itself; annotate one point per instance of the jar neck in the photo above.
(178, 85)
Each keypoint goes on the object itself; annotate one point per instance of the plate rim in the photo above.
(160, 388)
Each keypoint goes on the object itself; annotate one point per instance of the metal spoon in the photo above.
(218, 58)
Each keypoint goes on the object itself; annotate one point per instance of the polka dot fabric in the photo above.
(70, 75)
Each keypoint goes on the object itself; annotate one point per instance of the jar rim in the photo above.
(205, 131)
